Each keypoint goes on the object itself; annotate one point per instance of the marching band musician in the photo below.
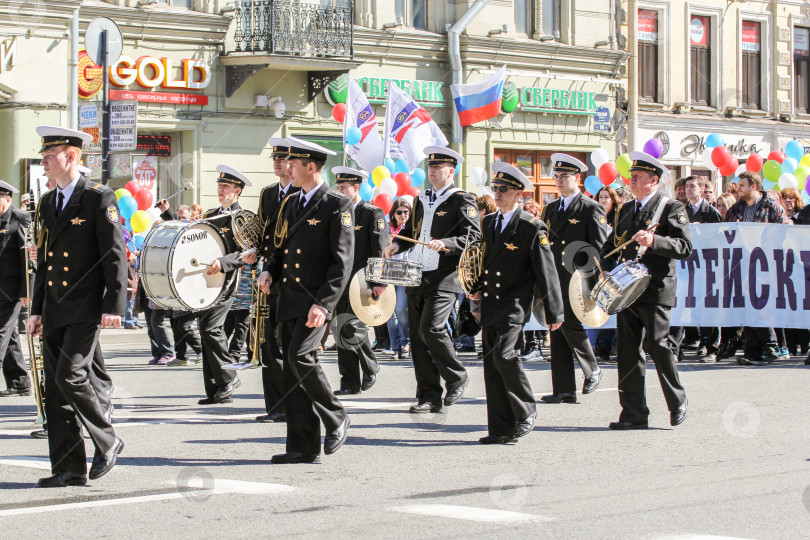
(271, 355)
(648, 318)
(577, 228)
(370, 238)
(444, 217)
(517, 265)
(312, 260)
(13, 294)
(220, 383)
(80, 286)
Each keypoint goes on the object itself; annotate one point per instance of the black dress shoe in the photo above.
(592, 382)
(525, 426)
(40, 434)
(333, 441)
(14, 391)
(227, 390)
(426, 407)
(562, 397)
(62, 479)
(346, 392)
(272, 417)
(368, 381)
(295, 457)
(497, 439)
(628, 425)
(212, 401)
(102, 463)
(456, 394)
(677, 416)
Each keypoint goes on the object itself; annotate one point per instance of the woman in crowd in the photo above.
(796, 339)
(792, 202)
(398, 323)
(723, 203)
(610, 200)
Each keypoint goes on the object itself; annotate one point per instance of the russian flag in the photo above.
(476, 102)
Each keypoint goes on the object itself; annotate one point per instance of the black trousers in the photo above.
(649, 322)
(185, 334)
(509, 395)
(434, 357)
(71, 361)
(757, 340)
(237, 325)
(11, 358)
(710, 338)
(273, 361)
(309, 397)
(568, 343)
(215, 347)
(354, 348)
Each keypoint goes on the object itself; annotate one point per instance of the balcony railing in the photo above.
(297, 28)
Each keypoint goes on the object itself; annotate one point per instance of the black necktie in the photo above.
(638, 208)
(498, 225)
(60, 202)
(300, 207)
(281, 195)
(432, 196)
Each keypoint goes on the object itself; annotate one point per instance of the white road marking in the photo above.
(30, 462)
(469, 513)
(701, 537)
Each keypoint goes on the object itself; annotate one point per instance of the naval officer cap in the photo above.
(56, 136)
(6, 190)
(301, 149)
(436, 155)
(281, 148)
(229, 175)
(565, 163)
(510, 175)
(347, 174)
(645, 162)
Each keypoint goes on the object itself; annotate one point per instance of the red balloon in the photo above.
(776, 155)
(339, 112)
(133, 187)
(730, 167)
(608, 173)
(413, 191)
(720, 156)
(403, 181)
(144, 199)
(754, 163)
(383, 202)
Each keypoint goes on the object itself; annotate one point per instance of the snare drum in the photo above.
(621, 287)
(394, 272)
(173, 265)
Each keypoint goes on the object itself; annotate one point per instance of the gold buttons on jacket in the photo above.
(66, 269)
(286, 251)
(64, 283)
(298, 279)
(284, 280)
(486, 271)
(297, 265)
(485, 283)
(497, 273)
(497, 297)
(50, 283)
(497, 284)
(486, 294)
(50, 268)
(65, 254)
(285, 265)
(50, 254)
(298, 251)
(563, 242)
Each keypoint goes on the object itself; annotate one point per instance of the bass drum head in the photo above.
(202, 243)
(629, 295)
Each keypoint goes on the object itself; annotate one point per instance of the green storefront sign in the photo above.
(424, 92)
(557, 101)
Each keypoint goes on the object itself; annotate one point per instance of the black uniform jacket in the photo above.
(82, 264)
(370, 236)
(456, 216)
(268, 216)
(518, 266)
(672, 242)
(314, 261)
(706, 214)
(582, 221)
(13, 224)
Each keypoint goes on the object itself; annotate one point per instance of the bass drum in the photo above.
(173, 265)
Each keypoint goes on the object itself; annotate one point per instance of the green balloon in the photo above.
(623, 164)
(121, 192)
(772, 170)
(510, 99)
(801, 174)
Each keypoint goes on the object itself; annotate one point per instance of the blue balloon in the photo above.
(767, 184)
(593, 185)
(715, 139)
(617, 184)
(735, 179)
(418, 177)
(366, 191)
(138, 241)
(131, 245)
(805, 197)
(353, 135)
(795, 150)
(127, 205)
(458, 170)
(390, 164)
(401, 166)
(790, 165)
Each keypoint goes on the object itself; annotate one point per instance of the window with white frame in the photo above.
(524, 16)
(177, 3)
(412, 12)
(700, 60)
(551, 16)
(751, 44)
(801, 68)
(648, 68)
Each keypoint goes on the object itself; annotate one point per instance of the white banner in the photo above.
(409, 129)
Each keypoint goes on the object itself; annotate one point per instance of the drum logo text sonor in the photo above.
(195, 237)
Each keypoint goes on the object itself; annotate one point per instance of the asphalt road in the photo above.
(738, 467)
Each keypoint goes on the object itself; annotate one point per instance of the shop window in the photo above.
(648, 55)
(178, 3)
(413, 12)
(524, 17)
(700, 63)
(751, 65)
(801, 68)
(536, 165)
(551, 15)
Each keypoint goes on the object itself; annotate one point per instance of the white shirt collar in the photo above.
(354, 207)
(282, 189)
(646, 199)
(308, 196)
(507, 217)
(566, 202)
(696, 206)
(68, 191)
(439, 192)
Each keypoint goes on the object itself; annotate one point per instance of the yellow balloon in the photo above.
(140, 221)
(379, 174)
(805, 160)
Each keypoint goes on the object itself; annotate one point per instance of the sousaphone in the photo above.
(372, 311)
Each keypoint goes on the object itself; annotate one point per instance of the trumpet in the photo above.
(36, 360)
(259, 312)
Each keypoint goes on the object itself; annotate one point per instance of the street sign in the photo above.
(92, 40)
(601, 120)
(90, 115)
(123, 126)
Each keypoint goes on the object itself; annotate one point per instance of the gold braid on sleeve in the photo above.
(280, 234)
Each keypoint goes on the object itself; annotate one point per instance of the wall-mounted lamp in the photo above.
(502, 30)
(600, 44)
(400, 22)
(546, 38)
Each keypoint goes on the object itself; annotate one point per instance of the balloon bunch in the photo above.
(391, 181)
(781, 170)
(607, 173)
(353, 134)
(136, 208)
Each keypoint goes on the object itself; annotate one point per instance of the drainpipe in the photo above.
(73, 91)
(632, 78)
(454, 50)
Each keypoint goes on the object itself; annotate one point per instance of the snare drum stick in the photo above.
(398, 237)
(651, 228)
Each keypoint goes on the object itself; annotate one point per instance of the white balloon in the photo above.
(706, 156)
(740, 169)
(375, 193)
(486, 191)
(599, 157)
(153, 213)
(787, 180)
(389, 187)
(408, 199)
(479, 176)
